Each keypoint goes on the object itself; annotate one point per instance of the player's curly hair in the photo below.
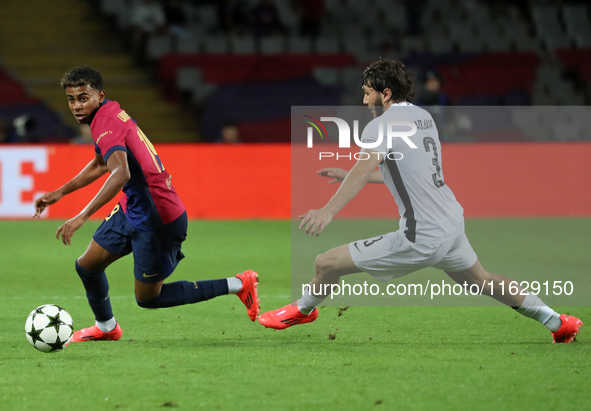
(80, 76)
(392, 74)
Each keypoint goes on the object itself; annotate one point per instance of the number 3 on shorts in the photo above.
(371, 241)
(113, 212)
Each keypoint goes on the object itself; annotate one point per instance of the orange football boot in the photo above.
(95, 334)
(249, 295)
(287, 316)
(568, 329)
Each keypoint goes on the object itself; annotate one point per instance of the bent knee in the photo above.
(474, 275)
(325, 265)
(151, 303)
(85, 272)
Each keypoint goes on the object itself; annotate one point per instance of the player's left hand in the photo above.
(337, 173)
(314, 221)
(68, 228)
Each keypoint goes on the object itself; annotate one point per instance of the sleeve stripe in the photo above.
(112, 150)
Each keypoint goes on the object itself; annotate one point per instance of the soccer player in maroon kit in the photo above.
(150, 220)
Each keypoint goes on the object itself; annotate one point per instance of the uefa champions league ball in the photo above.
(49, 328)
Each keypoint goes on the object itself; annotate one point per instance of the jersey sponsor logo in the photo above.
(102, 135)
(123, 116)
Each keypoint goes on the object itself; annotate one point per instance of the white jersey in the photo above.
(429, 211)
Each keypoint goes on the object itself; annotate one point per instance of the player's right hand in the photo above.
(66, 230)
(45, 201)
(337, 173)
(315, 221)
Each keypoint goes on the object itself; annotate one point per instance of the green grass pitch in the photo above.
(210, 356)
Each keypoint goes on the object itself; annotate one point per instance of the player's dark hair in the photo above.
(392, 74)
(80, 76)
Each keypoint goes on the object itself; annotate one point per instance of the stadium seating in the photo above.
(350, 27)
(242, 45)
(12, 92)
(262, 102)
(539, 55)
(272, 45)
(578, 60)
(221, 70)
(472, 77)
(158, 47)
(16, 102)
(298, 45)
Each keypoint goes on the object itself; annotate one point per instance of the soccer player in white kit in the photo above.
(431, 231)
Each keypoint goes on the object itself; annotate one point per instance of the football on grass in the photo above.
(49, 328)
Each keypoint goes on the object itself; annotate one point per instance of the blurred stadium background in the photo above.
(229, 70)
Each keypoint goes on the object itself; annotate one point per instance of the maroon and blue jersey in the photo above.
(149, 200)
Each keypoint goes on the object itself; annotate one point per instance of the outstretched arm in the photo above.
(314, 221)
(120, 175)
(89, 174)
(376, 177)
(338, 174)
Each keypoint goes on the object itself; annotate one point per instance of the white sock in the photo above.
(533, 307)
(106, 326)
(234, 285)
(308, 302)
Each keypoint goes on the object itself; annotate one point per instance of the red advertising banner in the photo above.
(213, 181)
(488, 179)
(255, 181)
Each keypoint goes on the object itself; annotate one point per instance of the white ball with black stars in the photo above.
(49, 328)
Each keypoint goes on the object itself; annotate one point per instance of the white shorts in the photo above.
(391, 255)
